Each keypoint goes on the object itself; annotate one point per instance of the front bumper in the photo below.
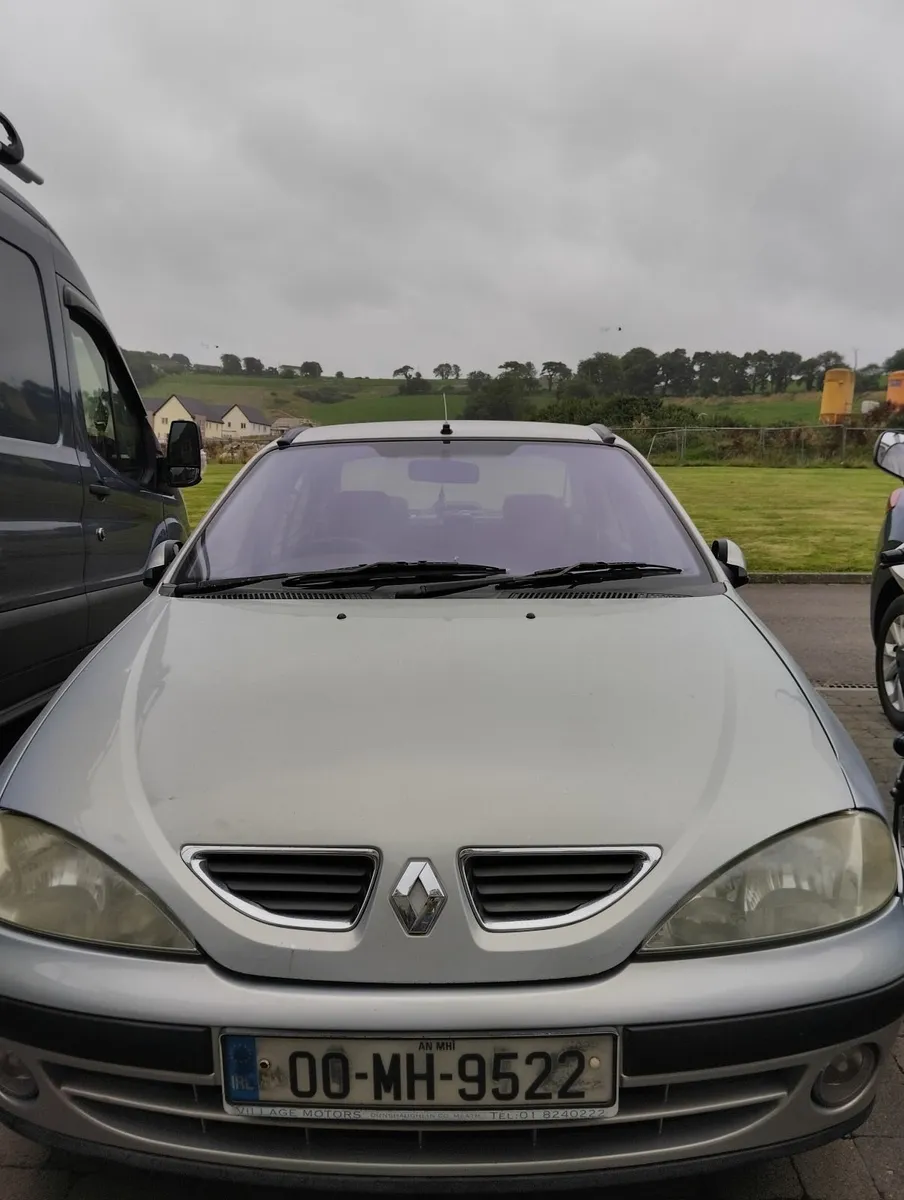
(712, 1082)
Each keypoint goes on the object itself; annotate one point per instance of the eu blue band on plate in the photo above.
(240, 1068)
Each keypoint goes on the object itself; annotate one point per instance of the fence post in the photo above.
(763, 442)
(843, 441)
(683, 444)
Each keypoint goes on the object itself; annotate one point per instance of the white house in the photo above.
(214, 420)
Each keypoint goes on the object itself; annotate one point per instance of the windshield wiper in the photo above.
(575, 575)
(375, 574)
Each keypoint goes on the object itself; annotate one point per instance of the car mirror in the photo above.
(159, 560)
(888, 453)
(731, 556)
(183, 454)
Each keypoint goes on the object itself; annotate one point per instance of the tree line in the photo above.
(147, 366)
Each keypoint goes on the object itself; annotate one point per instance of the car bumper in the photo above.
(711, 1083)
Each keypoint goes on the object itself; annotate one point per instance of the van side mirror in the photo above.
(159, 560)
(731, 556)
(182, 464)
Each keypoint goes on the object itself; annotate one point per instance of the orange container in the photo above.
(894, 393)
(837, 396)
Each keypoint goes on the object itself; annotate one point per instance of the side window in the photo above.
(115, 430)
(29, 404)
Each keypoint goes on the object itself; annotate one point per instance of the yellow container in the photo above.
(894, 393)
(837, 396)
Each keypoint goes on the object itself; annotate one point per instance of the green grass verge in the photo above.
(784, 518)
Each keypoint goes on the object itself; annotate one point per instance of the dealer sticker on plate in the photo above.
(542, 1078)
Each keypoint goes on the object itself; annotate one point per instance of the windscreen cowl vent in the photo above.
(283, 596)
(588, 593)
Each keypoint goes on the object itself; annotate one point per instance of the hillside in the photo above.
(379, 399)
(356, 399)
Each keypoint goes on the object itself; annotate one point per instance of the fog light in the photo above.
(16, 1081)
(846, 1076)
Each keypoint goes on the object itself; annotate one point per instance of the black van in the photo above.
(89, 510)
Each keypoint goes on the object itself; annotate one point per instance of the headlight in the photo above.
(50, 884)
(818, 877)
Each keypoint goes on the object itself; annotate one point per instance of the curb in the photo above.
(860, 577)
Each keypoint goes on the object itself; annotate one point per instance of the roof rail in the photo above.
(13, 152)
(605, 434)
(287, 438)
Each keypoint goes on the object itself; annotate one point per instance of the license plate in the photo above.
(544, 1078)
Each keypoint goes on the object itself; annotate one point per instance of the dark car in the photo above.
(887, 593)
(86, 497)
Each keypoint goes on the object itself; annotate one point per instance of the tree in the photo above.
(443, 371)
(311, 370)
(785, 368)
(253, 366)
(676, 373)
(604, 371)
(895, 362)
(825, 362)
(416, 385)
(340, 375)
(456, 371)
(406, 371)
(867, 379)
(287, 372)
(640, 371)
(554, 373)
(476, 380)
(140, 368)
(232, 364)
(807, 373)
(526, 372)
(505, 398)
(183, 360)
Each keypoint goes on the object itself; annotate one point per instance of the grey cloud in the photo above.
(366, 181)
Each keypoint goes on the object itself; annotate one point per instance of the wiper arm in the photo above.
(376, 574)
(574, 575)
(382, 573)
(586, 572)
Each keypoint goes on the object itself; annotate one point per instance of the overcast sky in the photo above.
(375, 182)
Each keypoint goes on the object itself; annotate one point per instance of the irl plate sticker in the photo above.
(240, 1064)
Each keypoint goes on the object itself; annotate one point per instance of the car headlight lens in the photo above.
(50, 884)
(834, 872)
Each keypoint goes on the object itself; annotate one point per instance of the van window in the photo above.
(115, 430)
(29, 404)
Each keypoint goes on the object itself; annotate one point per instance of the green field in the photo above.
(784, 518)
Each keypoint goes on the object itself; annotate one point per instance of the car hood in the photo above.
(420, 727)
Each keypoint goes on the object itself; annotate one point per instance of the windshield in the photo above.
(520, 506)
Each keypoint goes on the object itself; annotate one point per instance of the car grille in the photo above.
(316, 889)
(511, 889)
(652, 1118)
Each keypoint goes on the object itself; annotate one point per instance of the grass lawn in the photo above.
(784, 518)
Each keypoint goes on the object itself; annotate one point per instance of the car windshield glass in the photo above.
(518, 505)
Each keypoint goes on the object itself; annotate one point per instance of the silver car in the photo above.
(443, 818)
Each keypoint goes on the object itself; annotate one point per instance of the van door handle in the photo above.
(99, 489)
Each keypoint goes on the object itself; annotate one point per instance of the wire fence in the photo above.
(778, 446)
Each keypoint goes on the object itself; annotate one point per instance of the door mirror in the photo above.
(888, 453)
(183, 454)
(159, 560)
(731, 556)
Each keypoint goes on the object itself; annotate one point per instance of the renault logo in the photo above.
(418, 897)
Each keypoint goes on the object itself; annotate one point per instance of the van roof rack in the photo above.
(12, 154)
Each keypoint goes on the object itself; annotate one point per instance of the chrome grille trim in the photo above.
(648, 857)
(195, 858)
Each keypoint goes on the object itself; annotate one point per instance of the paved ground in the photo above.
(825, 629)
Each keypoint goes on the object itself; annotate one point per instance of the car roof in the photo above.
(525, 431)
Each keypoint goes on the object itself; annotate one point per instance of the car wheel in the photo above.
(890, 662)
